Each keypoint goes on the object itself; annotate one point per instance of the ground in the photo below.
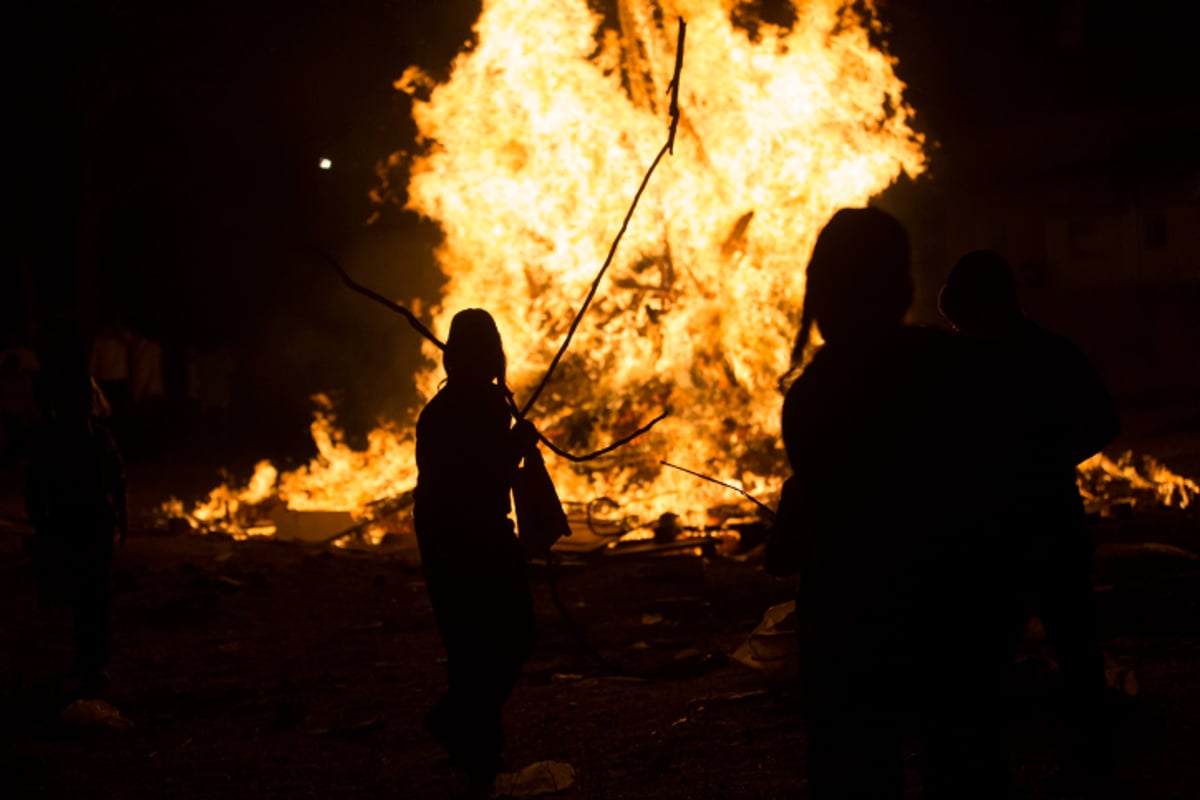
(265, 669)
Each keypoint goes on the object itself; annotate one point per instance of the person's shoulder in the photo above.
(457, 398)
(936, 346)
(434, 405)
(930, 337)
(1050, 346)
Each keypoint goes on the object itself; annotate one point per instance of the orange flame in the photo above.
(1100, 475)
(533, 150)
(531, 153)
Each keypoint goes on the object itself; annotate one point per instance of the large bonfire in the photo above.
(529, 156)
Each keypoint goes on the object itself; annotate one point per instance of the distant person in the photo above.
(1064, 415)
(885, 521)
(475, 569)
(108, 364)
(75, 499)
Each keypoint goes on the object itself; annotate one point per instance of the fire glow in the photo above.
(529, 156)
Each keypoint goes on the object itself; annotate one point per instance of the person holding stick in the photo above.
(468, 453)
(900, 609)
(75, 498)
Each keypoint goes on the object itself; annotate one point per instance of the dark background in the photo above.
(163, 164)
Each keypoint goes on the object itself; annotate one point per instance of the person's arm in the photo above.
(523, 439)
(806, 436)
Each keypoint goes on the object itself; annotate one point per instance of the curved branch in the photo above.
(417, 325)
(603, 450)
(730, 486)
(612, 251)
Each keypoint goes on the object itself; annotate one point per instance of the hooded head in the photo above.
(859, 281)
(980, 295)
(474, 352)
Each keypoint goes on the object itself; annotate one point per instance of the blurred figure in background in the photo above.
(108, 364)
(75, 499)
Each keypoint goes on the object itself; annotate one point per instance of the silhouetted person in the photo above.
(108, 363)
(475, 569)
(75, 498)
(900, 619)
(1064, 415)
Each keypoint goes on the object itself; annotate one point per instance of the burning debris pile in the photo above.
(364, 486)
(528, 155)
(1105, 483)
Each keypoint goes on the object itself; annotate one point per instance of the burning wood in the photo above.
(1103, 481)
(530, 150)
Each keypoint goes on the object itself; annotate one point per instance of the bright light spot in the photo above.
(325, 163)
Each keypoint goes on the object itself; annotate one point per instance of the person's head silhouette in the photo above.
(474, 352)
(980, 295)
(859, 284)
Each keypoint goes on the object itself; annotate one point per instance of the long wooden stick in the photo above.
(417, 325)
(517, 412)
(669, 147)
(604, 450)
(710, 479)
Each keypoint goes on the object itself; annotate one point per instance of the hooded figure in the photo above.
(899, 600)
(1063, 415)
(475, 569)
(75, 498)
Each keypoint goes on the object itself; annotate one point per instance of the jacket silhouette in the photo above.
(900, 602)
(1062, 415)
(75, 499)
(475, 568)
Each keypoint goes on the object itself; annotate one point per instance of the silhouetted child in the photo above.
(884, 520)
(475, 569)
(1064, 415)
(75, 498)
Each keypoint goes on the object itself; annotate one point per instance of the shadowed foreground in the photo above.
(262, 669)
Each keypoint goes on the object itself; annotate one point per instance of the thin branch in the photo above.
(558, 451)
(603, 450)
(710, 479)
(673, 88)
(669, 147)
(612, 251)
(417, 325)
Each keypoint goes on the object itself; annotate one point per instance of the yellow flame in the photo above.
(1099, 475)
(533, 151)
(531, 154)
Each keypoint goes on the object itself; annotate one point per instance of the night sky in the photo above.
(193, 131)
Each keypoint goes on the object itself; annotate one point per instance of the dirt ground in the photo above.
(264, 669)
